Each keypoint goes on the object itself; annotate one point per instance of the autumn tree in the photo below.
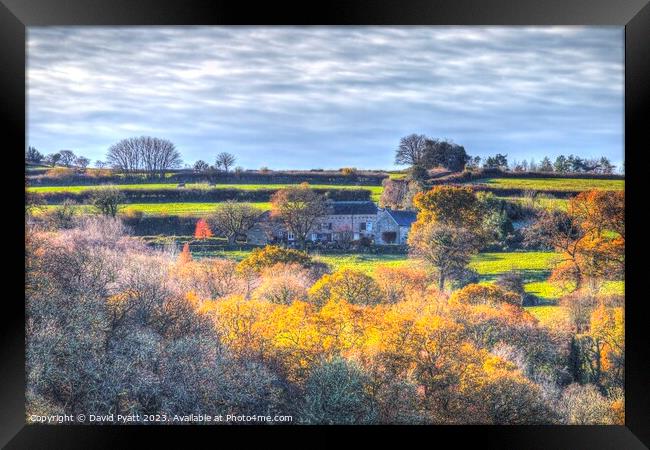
(225, 160)
(393, 193)
(352, 286)
(185, 255)
(400, 283)
(298, 208)
(448, 230)
(263, 258)
(283, 283)
(590, 235)
(449, 205)
(233, 219)
(202, 230)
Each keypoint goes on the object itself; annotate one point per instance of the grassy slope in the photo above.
(559, 184)
(375, 190)
(171, 209)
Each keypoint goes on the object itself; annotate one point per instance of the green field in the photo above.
(375, 191)
(549, 315)
(553, 184)
(164, 209)
(540, 202)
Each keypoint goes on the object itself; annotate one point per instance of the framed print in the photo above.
(360, 218)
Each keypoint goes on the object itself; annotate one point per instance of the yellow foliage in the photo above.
(349, 285)
(481, 294)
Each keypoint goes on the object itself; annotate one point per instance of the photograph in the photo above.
(325, 225)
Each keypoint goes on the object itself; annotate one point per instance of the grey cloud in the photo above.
(333, 95)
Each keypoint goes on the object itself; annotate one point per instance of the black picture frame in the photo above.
(16, 15)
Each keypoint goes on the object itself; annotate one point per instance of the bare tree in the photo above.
(67, 157)
(33, 155)
(201, 166)
(411, 150)
(299, 208)
(147, 154)
(82, 162)
(233, 219)
(225, 160)
(52, 159)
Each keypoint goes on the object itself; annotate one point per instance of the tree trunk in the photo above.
(231, 239)
(441, 282)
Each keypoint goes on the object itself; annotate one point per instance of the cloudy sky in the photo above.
(327, 97)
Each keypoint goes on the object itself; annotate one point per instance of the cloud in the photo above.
(303, 97)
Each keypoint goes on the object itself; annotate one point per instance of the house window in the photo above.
(329, 226)
(290, 236)
(314, 236)
(362, 226)
(369, 226)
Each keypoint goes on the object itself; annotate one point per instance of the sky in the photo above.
(327, 97)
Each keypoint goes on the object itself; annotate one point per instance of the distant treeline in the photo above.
(186, 195)
(473, 175)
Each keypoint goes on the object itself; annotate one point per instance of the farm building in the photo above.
(393, 226)
(346, 221)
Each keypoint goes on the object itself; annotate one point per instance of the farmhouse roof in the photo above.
(403, 218)
(350, 208)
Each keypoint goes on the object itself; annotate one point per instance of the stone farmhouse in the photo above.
(346, 221)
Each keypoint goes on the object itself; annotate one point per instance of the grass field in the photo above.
(165, 209)
(535, 266)
(375, 191)
(541, 202)
(557, 184)
(549, 315)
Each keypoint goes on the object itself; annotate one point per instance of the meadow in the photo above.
(374, 190)
(162, 209)
(540, 202)
(553, 184)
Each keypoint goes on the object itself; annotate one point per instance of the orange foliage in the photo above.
(185, 255)
(202, 230)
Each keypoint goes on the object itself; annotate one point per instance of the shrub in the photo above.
(348, 171)
(400, 283)
(107, 200)
(479, 294)
(60, 173)
(283, 283)
(511, 281)
(585, 405)
(336, 392)
(347, 285)
(62, 216)
(133, 213)
(263, 258)
(580, 304)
